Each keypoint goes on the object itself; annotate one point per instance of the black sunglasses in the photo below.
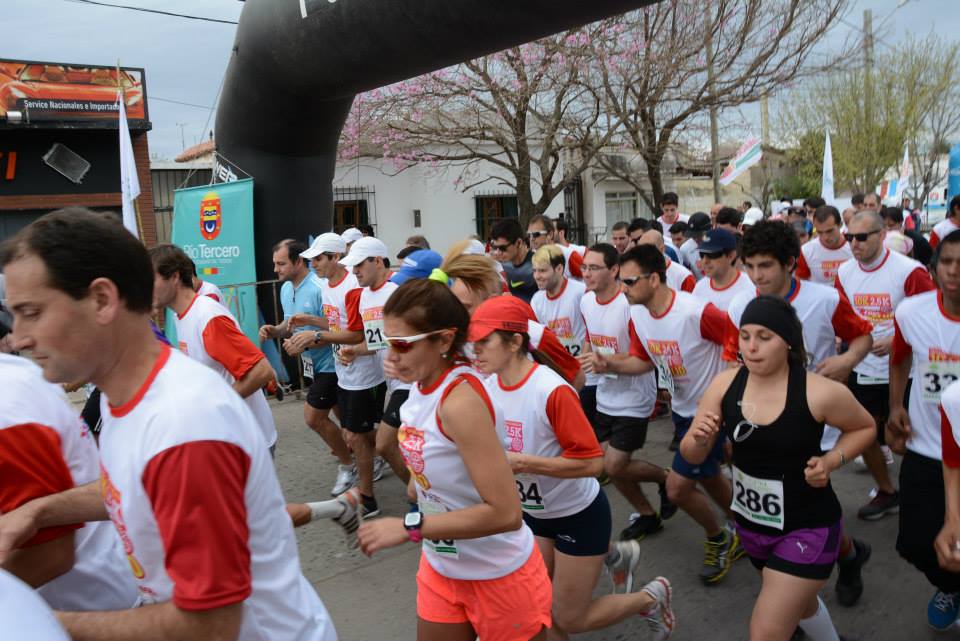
(712, 255)
(630, 282)
(500, 248)
(861, 238)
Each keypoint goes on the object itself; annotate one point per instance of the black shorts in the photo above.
(361, 409)
(588, 401)
(391, 415)
(626, 433)
(322, 394)
(875, 399)
(586, 533)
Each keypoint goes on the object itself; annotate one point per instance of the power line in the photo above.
(164, 13)
(178, 102)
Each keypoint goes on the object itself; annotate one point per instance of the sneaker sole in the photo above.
(879, 515)
(641, 536)
(713, 580)
(666, 608)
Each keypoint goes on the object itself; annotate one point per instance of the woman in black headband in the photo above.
(788, 517)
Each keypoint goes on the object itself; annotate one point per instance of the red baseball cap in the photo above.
(506, 313)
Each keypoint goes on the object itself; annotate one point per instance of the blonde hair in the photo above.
(477, 272)
(549, 256)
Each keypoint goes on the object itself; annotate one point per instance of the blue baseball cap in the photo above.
(718, 240)
(418, 264)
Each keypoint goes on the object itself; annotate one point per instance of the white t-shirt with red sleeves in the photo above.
(209, 289)
(820, 264)
(365, 314)
(941, 230)
(543, 417)
(685, 344)
(190, 486)
(574, 261)
(334, 297)
(925, 332)
(608, 331)
(443, 483)
(679, 278)
(44, 449)
(24, 614)
(875, 292)
(208, 333)
(561, 313)
(681, 218)
(721, 296)
(950, 425)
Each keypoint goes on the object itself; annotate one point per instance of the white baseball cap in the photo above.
(752, 216)
(364, 248)
(475, 248)
(351, 235)
(328, 243)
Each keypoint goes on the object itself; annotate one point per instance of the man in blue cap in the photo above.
(417, 264)
(720, 264)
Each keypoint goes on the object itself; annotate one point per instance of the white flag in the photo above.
(129, 183)
(904, 180)
(826, 191)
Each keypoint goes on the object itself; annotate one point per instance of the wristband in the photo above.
(318, 337)
(843, 459)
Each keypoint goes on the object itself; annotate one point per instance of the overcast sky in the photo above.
(185, 59)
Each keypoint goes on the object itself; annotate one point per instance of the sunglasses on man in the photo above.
(860, 238)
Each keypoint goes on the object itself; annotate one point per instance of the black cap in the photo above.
(699, 223)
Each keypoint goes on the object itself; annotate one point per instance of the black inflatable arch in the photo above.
(296, 66)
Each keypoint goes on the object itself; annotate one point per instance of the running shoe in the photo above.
(667, 507)
(660, 617)
(641, 527)
(368, 506)
(380, 467)
(943, 609)
(738, 552)
(603, 479)
(621, 572)
(849, 582)
(881, 505)
(346, 477)
(675, 443)
(718, 557)
(349, 519)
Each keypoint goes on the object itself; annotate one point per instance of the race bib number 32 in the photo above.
(936, 376)
(758, 500)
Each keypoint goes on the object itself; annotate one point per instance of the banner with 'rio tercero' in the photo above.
(213, 224)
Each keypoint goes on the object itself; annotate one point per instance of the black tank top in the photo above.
(779, 451)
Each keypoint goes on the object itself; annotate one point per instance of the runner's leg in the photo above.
(319, 421)
(432, 631)
(388, 447)
(684, 492)
(783, 602)
(618, 467)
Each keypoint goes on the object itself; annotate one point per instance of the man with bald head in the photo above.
(875, 282)
(678, 277)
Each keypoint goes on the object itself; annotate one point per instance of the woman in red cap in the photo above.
(555, 458)
(480, 573)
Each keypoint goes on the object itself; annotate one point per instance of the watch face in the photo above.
(412, 519)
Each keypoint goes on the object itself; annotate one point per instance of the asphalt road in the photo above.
(374, 598)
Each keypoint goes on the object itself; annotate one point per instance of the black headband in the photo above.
(772, 313)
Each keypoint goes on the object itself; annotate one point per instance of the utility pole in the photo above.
(867, 76)
(714, 136)
(183, 142)
(764, 121)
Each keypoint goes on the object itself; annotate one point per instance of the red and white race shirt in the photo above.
(819, 264)
(334, 297)
(679, 278)
(444, 485)
(45, 448)
(574, 260)
(608, 331)
(875, 292)
(941, 230)
(190, 486)
(681, 218)
(950, 425)
(208, 333)
(543, 417)
(365, 314)
(721, 296)
(561, 313)
(209, 289)
(24, 614)
(685, 344)
(924, 330)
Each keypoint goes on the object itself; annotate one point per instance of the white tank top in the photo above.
(529, 430)
(443, 484)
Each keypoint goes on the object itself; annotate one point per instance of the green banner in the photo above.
(213, 224)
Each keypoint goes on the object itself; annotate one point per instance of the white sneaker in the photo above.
(346, 477)
(380, 467)
(660, 617)
(860, 464)
(621, 572)
(349, 520)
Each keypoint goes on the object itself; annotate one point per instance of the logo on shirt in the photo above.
(608, 342)
(830, 267)
(875, 308)
(372, 314)
(411, 446)
(937, 355)
(111, 499)
(210, 216)
(668, 352)
(514, 436)
(562, 327)
(332, 312)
